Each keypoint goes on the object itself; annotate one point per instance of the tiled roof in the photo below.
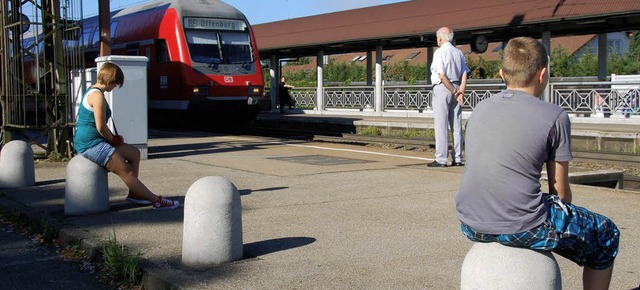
(413, 23)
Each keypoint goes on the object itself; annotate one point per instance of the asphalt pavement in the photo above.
(314, 216)
(27, 265)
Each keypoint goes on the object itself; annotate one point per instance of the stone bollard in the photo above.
(16, 165)
(495, 266)
(212, 232)
(87, 188)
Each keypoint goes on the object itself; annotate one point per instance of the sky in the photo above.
(263, 11)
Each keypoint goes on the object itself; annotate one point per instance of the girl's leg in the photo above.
(118, 165)
(132, 155)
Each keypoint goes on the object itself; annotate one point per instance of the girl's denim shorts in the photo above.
(100, 154)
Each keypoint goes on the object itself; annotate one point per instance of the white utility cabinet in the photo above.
(129, 103)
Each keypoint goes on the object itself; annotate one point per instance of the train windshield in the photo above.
(225, 52)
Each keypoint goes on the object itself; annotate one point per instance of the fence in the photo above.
(583, 98)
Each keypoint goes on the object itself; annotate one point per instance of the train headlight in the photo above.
(201, 91)
(255, 90)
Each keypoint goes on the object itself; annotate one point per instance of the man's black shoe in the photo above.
(436, 164)
(457, 163)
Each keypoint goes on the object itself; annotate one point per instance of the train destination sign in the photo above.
(214, 24)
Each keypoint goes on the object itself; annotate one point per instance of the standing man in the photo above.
(449, 78)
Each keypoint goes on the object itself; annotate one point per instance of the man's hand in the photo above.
(459, 97)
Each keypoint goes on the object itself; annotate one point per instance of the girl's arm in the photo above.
(99, 104)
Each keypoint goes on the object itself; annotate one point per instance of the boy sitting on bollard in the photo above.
(509, 138)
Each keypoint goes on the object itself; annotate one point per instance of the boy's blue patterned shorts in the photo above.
(573, 232)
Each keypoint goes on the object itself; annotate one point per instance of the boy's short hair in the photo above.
(110, 73)
(522, 58)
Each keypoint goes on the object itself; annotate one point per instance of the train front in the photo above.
(226, 75)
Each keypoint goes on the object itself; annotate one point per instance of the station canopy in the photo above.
(414, 24)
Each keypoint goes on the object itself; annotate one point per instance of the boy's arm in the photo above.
(558, 174)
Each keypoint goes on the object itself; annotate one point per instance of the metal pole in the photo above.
(273, 81)
(602, 57)
(2, 74)
(320, 87)
(378, 104)
(369, 68)
(105, 27)
(430, 51)
(546, 41)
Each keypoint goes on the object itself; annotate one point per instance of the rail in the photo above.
(583, 98)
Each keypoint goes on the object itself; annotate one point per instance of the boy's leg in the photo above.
(586, 238)
(596, 279)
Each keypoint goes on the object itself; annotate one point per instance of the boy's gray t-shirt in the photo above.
(509, 137)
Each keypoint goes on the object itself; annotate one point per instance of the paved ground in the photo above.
(26, 265)
(314, 216)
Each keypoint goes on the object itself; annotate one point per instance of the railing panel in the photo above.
(407, 97)
(610, 98)
(586, 98)
(352, 97)
(304, 97)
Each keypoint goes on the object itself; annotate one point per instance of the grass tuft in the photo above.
(120, 265)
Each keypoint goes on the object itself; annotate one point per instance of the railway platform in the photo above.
(314, 216)
(615, 134)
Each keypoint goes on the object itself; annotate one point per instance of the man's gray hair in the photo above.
(445, 36)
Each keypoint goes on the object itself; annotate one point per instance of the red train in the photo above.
(202, 55)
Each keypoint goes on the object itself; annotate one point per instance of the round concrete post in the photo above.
(212, 232)
(87, 188)
(16, 165)
(494, 266)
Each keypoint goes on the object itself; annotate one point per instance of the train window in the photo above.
(28, 45)
(95, 40)
(162, 53)
(132, 48)
(203, 46)
(236, 47)
(112, 30)
(86, 35)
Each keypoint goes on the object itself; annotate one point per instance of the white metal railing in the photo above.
(575, 97)
(352, 97)
(597, 97)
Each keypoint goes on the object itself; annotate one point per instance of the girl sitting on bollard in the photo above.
(94, 141)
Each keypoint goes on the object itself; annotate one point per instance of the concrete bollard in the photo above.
(495, 266)
(87, 188)
(212, 232)
(16, 165)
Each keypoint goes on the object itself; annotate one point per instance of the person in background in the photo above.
(94, 141)
(449, 73)
(284, 96)
(510, 136)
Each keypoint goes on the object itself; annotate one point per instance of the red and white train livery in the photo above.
(202, 54)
